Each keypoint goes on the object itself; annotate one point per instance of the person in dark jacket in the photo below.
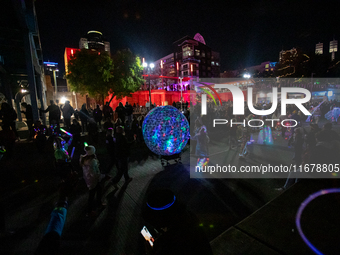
(120, 110)
(98, 115)
(84, 116)
(8, 117)
(107, 111)
(326, 150)
(122, 154)
(93, 131)
(75, 130)
(128, 111)
(29, 118)
(298, 146)
(108, 124)
(54, 113)
(7, 139)
(110, 148)
(68, 111)
(310, 137)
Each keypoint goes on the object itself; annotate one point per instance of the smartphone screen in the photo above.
(147, 236)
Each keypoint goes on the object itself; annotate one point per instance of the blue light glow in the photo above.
(165, 130)
(163, 207)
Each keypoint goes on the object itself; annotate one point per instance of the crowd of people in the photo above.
(312, 143)
(123, 129)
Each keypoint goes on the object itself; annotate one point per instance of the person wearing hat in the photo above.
(92, 177)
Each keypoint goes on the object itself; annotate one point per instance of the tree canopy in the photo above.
(127, 73)
(97, 74)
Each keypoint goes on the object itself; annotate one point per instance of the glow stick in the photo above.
(72, 152)
(85, 144)
(302, 207)
(69, 134)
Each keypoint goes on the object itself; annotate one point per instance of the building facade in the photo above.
(50, 68)
(191, 57)
(94, 40)
(21, 58)
(194, 58)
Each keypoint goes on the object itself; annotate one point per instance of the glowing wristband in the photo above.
(163, 207)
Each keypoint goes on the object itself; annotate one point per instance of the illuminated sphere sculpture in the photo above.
(165, 130)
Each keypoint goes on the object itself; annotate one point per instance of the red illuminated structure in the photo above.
(67, 56)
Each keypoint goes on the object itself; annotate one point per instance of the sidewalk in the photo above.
(117, 228)
(272, 229)
(257, 219)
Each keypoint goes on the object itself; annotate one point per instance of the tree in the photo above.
(98, 74)
(127, 74)
(91, 72)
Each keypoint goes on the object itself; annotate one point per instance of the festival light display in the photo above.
(302, 208)
(166, 130)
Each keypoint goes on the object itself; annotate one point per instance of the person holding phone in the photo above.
(178, 230)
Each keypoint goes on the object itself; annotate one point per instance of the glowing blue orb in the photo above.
(165, 130)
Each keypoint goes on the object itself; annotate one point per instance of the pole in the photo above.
(181, 93)
(55, 84)
(149, 92)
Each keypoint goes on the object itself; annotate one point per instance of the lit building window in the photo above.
(212, 63)
(217, 63)
(187, 50)
(203, 53)
(197, 52)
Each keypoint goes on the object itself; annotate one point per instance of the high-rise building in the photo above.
(319, 48)
(333, 47)
(50, 67)
(285, 55)
(94, 40)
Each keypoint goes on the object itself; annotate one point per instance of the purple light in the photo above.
(299, 213)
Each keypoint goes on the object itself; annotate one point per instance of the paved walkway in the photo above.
(29, 191)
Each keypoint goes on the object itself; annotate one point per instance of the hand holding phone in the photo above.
(147, 236)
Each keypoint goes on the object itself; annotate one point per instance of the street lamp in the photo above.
(246, 76)
(181, 82)
(149, 67)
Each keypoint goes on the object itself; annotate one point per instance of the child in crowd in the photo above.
(92, 177)
(202, 150)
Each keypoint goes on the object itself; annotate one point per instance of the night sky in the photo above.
(245, 33)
